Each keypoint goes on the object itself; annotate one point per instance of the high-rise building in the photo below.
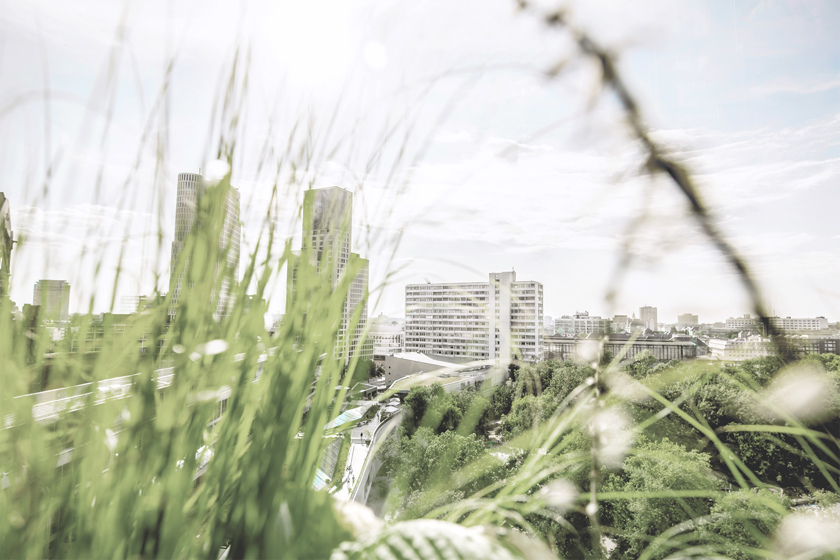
(327, 238)
(53, 297)
(648, 316)
(496, 320)
(6, 243)
(191, 187)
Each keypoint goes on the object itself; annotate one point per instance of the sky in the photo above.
(466, 155)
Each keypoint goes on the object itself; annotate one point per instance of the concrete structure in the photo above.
(191, 187)
(7, 240)
(581, 323)
(687, 320)
(663, 349)
(498, 320)
(327, 238)
(53, 298)
(648, 316)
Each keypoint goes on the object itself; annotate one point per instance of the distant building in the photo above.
(191, 187)
(687, 320)
(581, 323)
(649, 318)
(791, 324)
(662, 348)
(744, 323)
(496, 320)
(387, 339)
(739, 349)
(133, 304)
(327, 237)
(53, 298)
(620, 323)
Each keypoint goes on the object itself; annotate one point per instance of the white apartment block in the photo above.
(496, 320)
(781, 323)
(581, 323)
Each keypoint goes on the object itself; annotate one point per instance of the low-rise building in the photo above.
(789, 324)
(661, 347)
(581, 323)
(741, 348)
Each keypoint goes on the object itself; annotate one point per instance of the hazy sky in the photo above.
(440, 117)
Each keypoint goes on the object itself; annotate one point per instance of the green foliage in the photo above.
(741, 523)
(650, 474)
(426, 461)
(433, 407)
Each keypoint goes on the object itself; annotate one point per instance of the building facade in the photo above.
(498, 320)
(581, 323)
(562, 348)
(191, 187)
(387, 339)
(687, 320)
(780, 323)
(53, 297)
(739, 349)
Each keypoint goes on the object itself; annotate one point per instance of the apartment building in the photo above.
(497, 320)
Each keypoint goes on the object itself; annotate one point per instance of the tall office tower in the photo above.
(6, 243)
(648, 316)
(191, 187)
(53, 296)
(328, 229)
(498, 320)
(327, 236)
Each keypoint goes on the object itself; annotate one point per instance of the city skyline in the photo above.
(757, 128)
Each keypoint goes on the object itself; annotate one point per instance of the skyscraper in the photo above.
(53, 296)
(6, 243)
(191, 187)
(327, 237)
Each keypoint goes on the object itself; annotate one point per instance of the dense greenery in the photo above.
(688, 476)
